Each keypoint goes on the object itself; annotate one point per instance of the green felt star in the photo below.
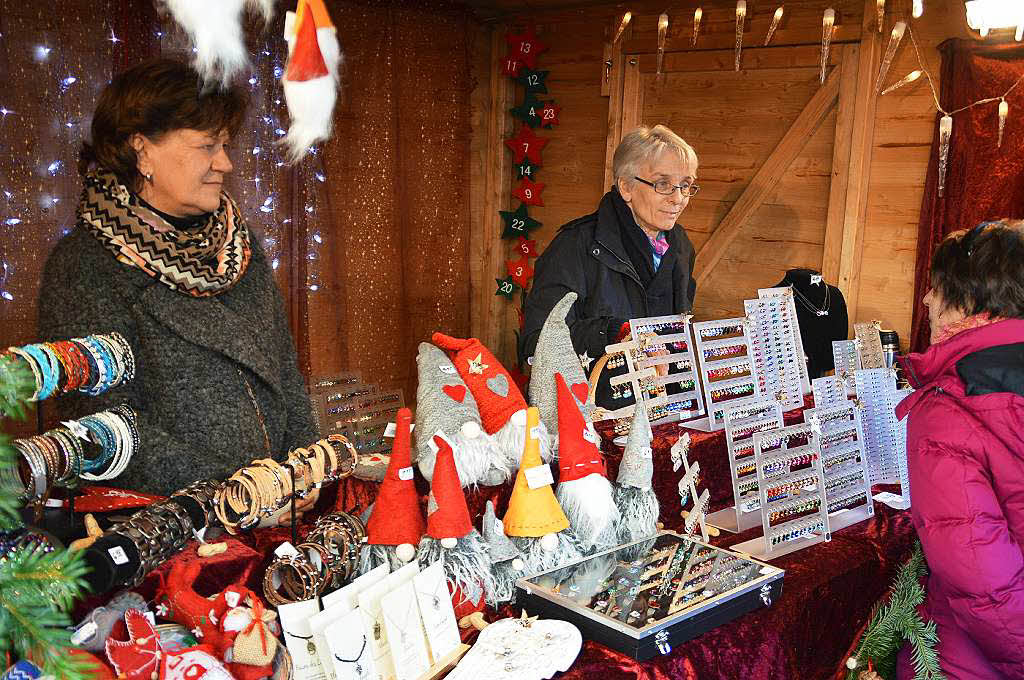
(533, 81)
(506, 287)
(528, 111)
(517, 222)
(526, 169)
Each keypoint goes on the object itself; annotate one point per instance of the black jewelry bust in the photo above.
(822, 316)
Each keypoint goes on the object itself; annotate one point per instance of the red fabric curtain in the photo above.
(983, 181)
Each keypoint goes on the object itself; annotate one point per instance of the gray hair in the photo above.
(645, 145)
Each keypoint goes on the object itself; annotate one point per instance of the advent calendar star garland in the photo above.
(526, 146)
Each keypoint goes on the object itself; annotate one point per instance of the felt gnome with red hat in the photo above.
(583, 488)
(555, 354)
(444, 403)
(396, 523)
(502, 406)
(634, 492)
(534, 519)
(451, 537)
(310, 79)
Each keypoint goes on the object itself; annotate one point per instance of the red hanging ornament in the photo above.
(525, 47)
(520, 271)
(528, 248)
(549, 114)
(526, 145)
(529, 192)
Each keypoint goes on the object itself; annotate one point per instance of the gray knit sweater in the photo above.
(194, 357)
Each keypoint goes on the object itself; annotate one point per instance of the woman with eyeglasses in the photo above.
(627, 260)
(965, 452)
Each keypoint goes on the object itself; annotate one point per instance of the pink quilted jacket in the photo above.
(965, 443)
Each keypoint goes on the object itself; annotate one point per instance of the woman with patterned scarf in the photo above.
(161, 255)
(965, 453)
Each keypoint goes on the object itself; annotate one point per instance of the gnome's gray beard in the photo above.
(511, 439)
(372, 556)
(590, 507)
(503, 587)
(539, 560)
(639, 510)
(467, 565)
(477, 459)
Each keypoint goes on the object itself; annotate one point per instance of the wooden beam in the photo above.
(490, 314)
(616, 78)
(862, 141)
(840, 163)
(767, 177)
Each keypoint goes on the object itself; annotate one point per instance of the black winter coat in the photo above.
(589, 256)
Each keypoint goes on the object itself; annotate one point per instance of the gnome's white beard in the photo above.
(503, 585)
(467, 565)
(311, 102)
(215, 29)
(511, 439)
(476, 460)
(591, 510)
(372, 556)
(639, 510)
(539, 560)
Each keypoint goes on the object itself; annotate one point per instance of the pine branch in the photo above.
(17, 384)
(10, 517)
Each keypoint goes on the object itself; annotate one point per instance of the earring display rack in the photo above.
(839, 438)
(877, 394)
(741, 423)
(900, 435)
(869, 344)
(635, 383)
(829, 389)
(791, 484)
(728, 373)
(847, 360)
(688, 490)
(777, 347)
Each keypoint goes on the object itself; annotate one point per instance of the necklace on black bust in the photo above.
(810, 306)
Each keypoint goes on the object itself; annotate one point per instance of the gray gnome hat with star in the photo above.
(501, 546)
(637, 467)
(443, 401)
(555, 354)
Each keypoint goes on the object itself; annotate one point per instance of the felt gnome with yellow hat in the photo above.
(310, 80)
(451, 537)
(396, 522)
(534, 519)
(444, 403)
(555, 354)
(502, 406)
(584, 491)
(634, 492)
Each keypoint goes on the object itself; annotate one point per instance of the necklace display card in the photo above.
(349, 595)
(436, 609)
(374, 629)
(298, 639)
(318, 623)
(777, 354)
(408, 644)
(728, 372)
(349, 649)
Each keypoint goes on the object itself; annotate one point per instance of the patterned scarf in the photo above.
(965, 324)
(201, 263)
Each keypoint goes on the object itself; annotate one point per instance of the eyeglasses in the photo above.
(666, 188)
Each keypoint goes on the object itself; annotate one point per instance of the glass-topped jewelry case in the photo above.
(644, 598)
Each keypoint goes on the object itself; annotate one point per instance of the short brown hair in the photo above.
(153, 98)
(982, 270)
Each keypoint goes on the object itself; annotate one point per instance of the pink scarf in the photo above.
(965, 324)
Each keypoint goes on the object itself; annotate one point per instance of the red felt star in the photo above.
(520, 271)
(549, 114)
(525, 46)
(527, 247)
(511, 66)
(528, 191)
(526, 145)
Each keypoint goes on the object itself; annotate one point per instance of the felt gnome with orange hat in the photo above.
(502, 406)
(444, 402)
(583, 488)
(634, 492)
(534, 519)
(310, 79)
(396, 522)
(451, 537)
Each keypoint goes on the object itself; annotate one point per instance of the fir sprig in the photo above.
(17, 385)
(9, 505)
(897, 621)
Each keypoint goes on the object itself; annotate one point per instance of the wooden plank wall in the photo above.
(742, 118)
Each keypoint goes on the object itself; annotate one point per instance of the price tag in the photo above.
(535, 432)
(80, 431)
(232, 597)
(498, 526)
(590, 435)
(539, 476)
(391, 429)
(84, 632)
(286, 549)
(646, 452)
(118, 555)
(815, 279)
(405, 474)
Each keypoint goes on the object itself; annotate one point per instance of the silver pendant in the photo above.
(821, 312)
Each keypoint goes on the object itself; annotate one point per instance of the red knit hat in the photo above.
(578, 456)
(496, 393)
(447, 512)
(396, 517)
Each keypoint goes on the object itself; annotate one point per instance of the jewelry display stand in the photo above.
(791, 481)
(728, 373)
(869, 344)
(828, 390)
(654, 335)
(627, 385)
(877, 394)
(777, 347)
(741, 422)
(688, 490)
(847, 360)
(839, 438)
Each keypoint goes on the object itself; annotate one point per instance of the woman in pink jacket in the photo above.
(965, 445)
